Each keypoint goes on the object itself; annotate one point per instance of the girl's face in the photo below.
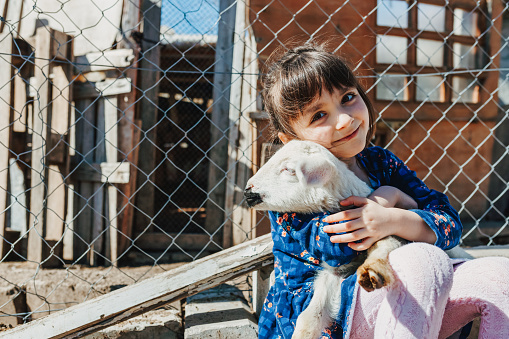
(338, 121)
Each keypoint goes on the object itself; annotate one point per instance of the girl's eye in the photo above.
(317, 116)
(348, 97)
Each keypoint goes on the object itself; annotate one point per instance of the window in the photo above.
(392, 86)
(425, 50)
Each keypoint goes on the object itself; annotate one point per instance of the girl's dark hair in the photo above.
(298, 77)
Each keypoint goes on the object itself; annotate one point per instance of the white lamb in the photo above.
(305, 177)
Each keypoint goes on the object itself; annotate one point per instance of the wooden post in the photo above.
(8, 31)
(111, 146)
(241, 215)
(148, 108)
(218, 153)
(85, 120)
(58, 165)
(39, 142)
(128, 128)
(5, 95)
(98, 212)
(50, 160)
(126, 220)
(239, 47)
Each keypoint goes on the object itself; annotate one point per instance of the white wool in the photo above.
(305, 177)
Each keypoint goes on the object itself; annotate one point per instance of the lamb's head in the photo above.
(301, 177)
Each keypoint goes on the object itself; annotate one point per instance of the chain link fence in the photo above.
(128, 129)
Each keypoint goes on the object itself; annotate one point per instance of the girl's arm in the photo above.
(389, 196)
(434, 220)
(307, 231)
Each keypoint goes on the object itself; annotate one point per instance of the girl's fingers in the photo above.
(343, 227)
(349, 237)
(344, 216)
(362, 245)
(354, 200)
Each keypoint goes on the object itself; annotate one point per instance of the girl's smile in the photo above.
(338, 121)
(348, 137)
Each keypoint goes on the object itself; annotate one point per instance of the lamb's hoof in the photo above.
(371, 278)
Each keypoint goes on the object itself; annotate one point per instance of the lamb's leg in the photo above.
(376, 271)
(323, 306)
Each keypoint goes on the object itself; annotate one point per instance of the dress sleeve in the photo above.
(307, 231)
(433, 206)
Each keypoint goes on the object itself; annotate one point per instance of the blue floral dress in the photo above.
(300, 245)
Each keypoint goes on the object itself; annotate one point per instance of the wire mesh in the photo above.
(129, 128)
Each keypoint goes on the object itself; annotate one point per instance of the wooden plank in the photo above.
(184, 281)
(130, 23)
(13, 17)
(18, 201)
(11, 11)
(111, 87)
(221, 93)
(5, 95)
(55, 215)
(68, 236)
(2, 12)
(98, 206)
(60, 99)
(104, 61)
(148, 85)
(60, 45)
(59, 125)
(111, 148)
(129, 130)
(19, 123)
(108, 87)
(39, 140)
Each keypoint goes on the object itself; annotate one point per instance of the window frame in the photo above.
(411, 68)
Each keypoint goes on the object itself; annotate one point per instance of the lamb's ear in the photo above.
(314, 171)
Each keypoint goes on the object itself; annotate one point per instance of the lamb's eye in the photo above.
(290, 171)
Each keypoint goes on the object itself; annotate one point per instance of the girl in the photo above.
(311, 94)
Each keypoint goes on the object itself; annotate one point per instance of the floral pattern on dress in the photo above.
(300, 245)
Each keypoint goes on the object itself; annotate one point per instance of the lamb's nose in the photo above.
(252, 198)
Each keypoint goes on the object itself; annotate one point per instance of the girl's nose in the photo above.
(344, 120)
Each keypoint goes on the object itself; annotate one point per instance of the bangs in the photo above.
(305, 79)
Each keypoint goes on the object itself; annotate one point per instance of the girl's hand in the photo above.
(389, 196)
(364, 225)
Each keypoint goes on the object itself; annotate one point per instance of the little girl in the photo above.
(311, 94)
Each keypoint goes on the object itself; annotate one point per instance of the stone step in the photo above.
(220, 312)
(157, 324)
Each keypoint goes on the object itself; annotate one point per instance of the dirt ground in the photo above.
(26, 288)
